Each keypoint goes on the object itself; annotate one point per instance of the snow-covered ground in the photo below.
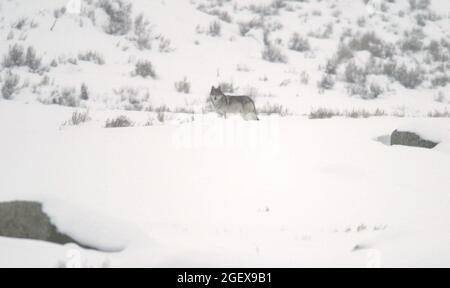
(279, 192)
(183, 187)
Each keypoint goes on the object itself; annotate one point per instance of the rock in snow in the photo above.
(27, 220)
(411, 139)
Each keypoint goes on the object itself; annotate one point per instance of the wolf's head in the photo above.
(216, 94)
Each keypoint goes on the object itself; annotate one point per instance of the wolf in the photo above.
(224, 104)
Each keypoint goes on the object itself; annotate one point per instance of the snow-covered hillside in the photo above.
(213, 192)
(302, 55)
(177, 185)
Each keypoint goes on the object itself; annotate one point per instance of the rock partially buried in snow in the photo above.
(406, 138)
(27, 220)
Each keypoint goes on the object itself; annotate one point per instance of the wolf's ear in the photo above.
(213, 89)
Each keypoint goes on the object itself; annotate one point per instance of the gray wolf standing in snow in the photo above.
(224, 104)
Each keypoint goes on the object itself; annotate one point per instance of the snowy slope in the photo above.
(205, 60)
(293, 192)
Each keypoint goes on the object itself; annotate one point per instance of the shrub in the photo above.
(365, 91)
(15, 57)
(304, 78)
(271, 109)
(245, 27)
(161, 116)
(66, 97)
(273, 54)
(412, 42)
(227, 87)
(355, 74)
(439, 114)
(58, 13)
(370, 42)
(9, 86)
(322, 113)
(84, 92)
(299, 43)
(343, 53)
(331, 66)
(410, 78)
(419, 4)
(31, 60)
(440, 80)
(215, 29)
(119, 122)
(132, 99)
(164, 45)
(436, 51)
(143, 32)
(92, 56)
(327, 82)
(78, 118)
(323, 33)
(119, 14)
(144, 68)
(183, 86)
(222, 15)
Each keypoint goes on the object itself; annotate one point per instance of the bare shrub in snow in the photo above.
(437, 52)
(421, 20)
(272, 53)
(10, 84)
(227, 87)
(14, 57)
(304, 78)
(65, 97)
(165, 45)
(331, 66)
(439, 114)
(273, 109)
(440, 97)
(133, 99)
(355, 74)
(412, 41)
(161, 116)
(327, 82)
(77, 118)
(84, 92)
(24, 23)
(245, 27)
(144, 68)
(362, 113)
(183, 86)
(20, 24)
(440, 80)
(222, 15)
(299, 43)
(343, 53)
(410, 78)
(58, 13)
(371, 42)
(119, 122)
(419, 4)
(215, 29)
(323, 33)
(365, 90)
(143, 32)
(31, 60)
(91, 56)
(325, 113)
(119, 13)
(264, 10)
(322, 113)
